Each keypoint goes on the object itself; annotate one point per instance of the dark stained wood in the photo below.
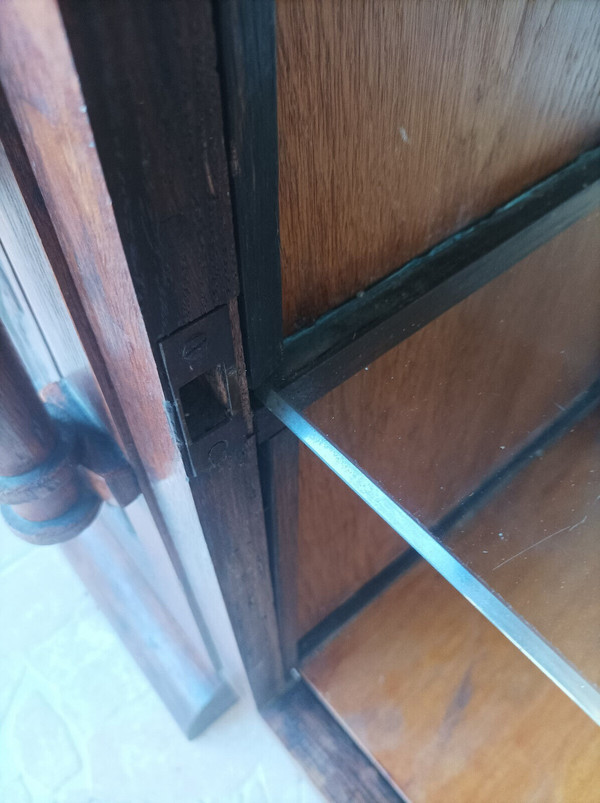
(229, 504)
(278, 462)
(44, 498)
(168, 196)
(401, 122)
(45, 143)
(337, 767)
(150, 82)
(483, 376)
(246, 35)
(192, 690)
(149, 77)
(449, 707)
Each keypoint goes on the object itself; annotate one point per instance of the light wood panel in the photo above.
(401, 121)
(432, 417)
(450, 708)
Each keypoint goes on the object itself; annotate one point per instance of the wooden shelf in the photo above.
(450, 708)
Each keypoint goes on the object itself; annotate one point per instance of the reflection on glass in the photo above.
(484, 427)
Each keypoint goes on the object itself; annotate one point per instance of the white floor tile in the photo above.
(79, 723)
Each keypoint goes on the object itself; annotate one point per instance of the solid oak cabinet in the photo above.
(353, 248)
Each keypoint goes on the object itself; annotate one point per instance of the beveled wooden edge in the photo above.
(192, 688)
(345, 340)
(247, 61)
(278, 466)
(331, 758)
(178, 241)
(229, 505)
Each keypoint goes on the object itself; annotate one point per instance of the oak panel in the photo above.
(400, 122)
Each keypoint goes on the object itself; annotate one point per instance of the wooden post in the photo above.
(45, 499)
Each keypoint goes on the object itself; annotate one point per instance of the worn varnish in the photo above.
(149, 78)
(278, 462)
(467, 391)
(60, 353)
(399, 122)
(336, 765)
(449, 707)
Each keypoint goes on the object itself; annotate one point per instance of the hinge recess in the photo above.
(200, 364)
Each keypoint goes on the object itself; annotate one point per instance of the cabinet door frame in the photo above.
(193, 200)
(306, 365)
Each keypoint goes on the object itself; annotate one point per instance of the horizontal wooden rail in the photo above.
(352, 336)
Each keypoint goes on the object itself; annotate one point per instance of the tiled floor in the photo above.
(80, 724)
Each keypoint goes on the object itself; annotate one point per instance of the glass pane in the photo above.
(477, 439)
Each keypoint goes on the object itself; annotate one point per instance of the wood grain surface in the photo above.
(342, 543)
(400, 122)
(149, 78)
(278, 462)
(449, 707)
(337, 767)
(436, 414)
(246, 37)
(229, 504)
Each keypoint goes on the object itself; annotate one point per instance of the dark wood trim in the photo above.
(334, 762)
(331, 624)
(247, 66)
(229, 504)
(278, 463)
(47, 287)
(144, 453)
(18, 159)
(148, 72)
(150, 82)
(352, 336)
